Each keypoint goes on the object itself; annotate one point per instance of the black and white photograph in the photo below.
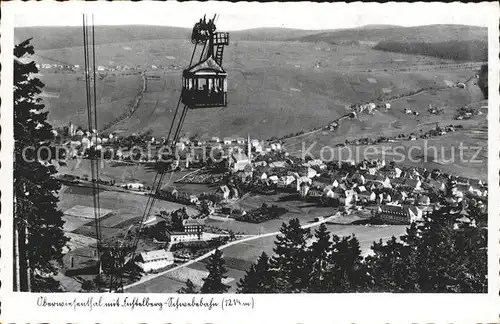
(209, 148)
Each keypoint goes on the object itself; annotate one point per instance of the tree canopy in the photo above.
(446, 252)
(213, 284)
(37, 219)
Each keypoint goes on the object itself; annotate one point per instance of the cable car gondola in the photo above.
(204, 84)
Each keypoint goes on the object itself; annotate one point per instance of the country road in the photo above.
(206, 255)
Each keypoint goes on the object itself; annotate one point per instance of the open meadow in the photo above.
(125, 209)
(66, 98)
(293, 86)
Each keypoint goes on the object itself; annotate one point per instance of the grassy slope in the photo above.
(263, 82)
(114, 95)
(275, 88)
(431, 33)
(61, 37)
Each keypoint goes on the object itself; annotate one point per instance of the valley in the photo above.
(284, 92)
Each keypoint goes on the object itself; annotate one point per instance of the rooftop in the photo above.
(156, 254)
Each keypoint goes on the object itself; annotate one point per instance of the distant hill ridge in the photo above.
(61, 37)
(429, 33)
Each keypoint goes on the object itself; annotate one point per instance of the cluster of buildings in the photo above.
(192, 230)
(401, 193)
(370, 107)
(237, 151)
(62, 67)
(78, 141)
(100, 68)
(173, 194)
(467, 113)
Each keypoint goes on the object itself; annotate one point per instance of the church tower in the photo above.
(249, 149)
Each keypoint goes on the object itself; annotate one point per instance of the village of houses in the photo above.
(368, 192)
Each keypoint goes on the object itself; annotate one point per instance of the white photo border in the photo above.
(305, 308)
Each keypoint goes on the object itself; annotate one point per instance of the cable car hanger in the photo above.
(204, 84)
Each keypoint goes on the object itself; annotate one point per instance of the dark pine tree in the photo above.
(451, 255)
(290, 262)
(483, 80)
(37, 220)
(177, 217)
(189, 289)
(446, 252)
(391, 272)
(258, 279)
(213, 284)
(347, 272)
(319, 253)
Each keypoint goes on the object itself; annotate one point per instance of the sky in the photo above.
(245, 15)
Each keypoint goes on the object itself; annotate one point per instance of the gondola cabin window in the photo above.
(205, 85)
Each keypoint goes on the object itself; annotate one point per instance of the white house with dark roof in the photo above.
(345, 197)
(424, 200)
(366, 196)
(328, 192)
(439, 185)
(194, 226)
(155, 260)
(228, 140)
(414, 184)
(274, 178)
(301, 180)
(361, 189)
(359, 178)
(239, 161)
(315, 193)
(223, 191)
(462, 181)
(286, 181)
(399, 214)
(315, 163)
(476, 182)
(275, 146)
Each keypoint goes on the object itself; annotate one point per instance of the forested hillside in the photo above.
(471, 50)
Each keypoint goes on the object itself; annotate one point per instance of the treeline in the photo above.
(483, 80)
(447, 252)
(52, 37)
(469, 50)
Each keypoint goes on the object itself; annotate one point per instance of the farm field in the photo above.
(126, 209)
(115, 94)
(294, 86)
(122, 173)
(394, 122)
